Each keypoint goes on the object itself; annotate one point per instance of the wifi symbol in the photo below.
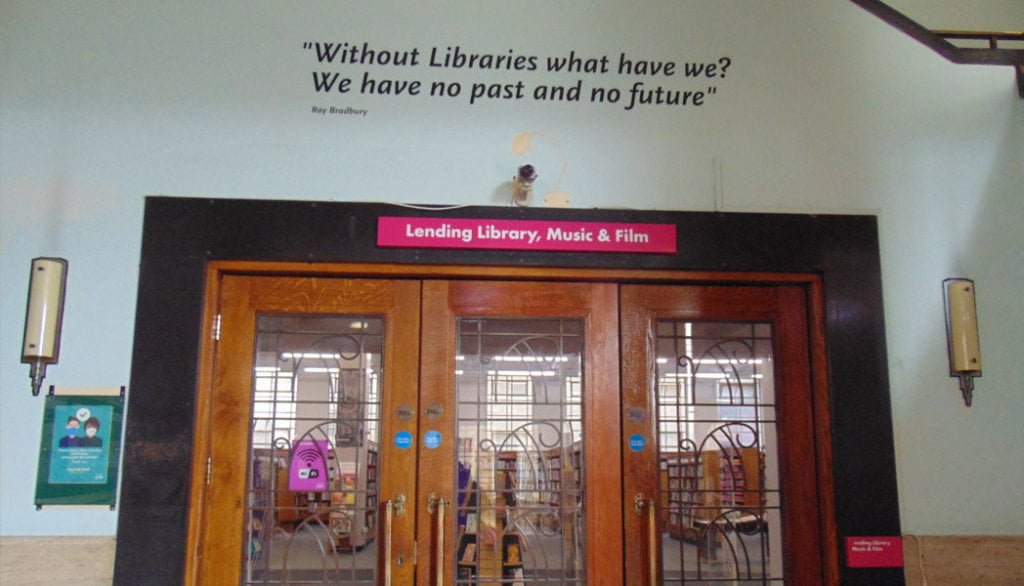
(310, 456)
(309, 466)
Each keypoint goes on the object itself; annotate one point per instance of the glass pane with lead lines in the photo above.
(520, 493)
(720, 511)
(312, 496)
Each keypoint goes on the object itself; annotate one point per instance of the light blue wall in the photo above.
(823, 109)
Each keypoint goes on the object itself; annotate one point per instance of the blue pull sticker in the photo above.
(432, 439)
(403, 440)
(637, 442)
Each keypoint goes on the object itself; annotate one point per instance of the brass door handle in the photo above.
(639, 502)
(438, 505)
(392, 508)
(652, 539)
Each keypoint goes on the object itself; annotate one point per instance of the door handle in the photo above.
(438, 504)
(392, 508)
(652, 553)
(639, 502)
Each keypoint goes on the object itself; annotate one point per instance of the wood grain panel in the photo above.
(220, 555)
(485, 272)
(823, 430)
(597, 306)
(957, 560)
(804, 490)
(437, 384)
(228, 399)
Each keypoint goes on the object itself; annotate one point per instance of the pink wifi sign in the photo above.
(308, 471)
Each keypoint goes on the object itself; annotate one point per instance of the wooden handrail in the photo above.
(980, 35)
(938, 40)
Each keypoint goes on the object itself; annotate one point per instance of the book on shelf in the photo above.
(469, 554)
(512, 556)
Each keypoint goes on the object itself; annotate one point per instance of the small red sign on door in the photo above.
(874, 552)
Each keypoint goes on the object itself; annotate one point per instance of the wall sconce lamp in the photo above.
(962, 333)
(43, 317)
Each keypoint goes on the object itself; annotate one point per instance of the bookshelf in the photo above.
(468, 556)
(372, 473)
(682, 498)
(544, 487)
(552, 464)
(353, 499)
(512, 559)
(488, 549)
(576, 464)
(739, 480)
(697, 488)
(290, 508)
(562, 472)
(476, 558)
(505, 478)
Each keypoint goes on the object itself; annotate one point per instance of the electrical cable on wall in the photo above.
(427, 208)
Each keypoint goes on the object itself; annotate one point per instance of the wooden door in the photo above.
(488, 422)
(523, 377)
(721, 449)
(254, 523)
(292, 441)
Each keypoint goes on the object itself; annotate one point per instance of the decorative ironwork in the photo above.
(716, 439)
(520, 456)
(312, 502)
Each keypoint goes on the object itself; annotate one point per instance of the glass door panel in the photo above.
(720, 457)
(524, 377)
(520, 453)
(313, 494)
(717, 453)
(298, 466)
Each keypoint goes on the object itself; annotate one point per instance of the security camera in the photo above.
(527, 173)
(522, 185)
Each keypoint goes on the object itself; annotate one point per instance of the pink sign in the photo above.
(397, 232)
(874, 552)
(308, 472)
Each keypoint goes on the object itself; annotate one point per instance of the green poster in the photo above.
(79, 451)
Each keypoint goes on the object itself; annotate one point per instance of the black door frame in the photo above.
(180, 235)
